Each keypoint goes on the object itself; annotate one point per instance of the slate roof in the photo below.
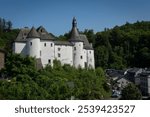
(86, 42)
(33, 33)
(76, 37)
(23, 35)
(74, 32)
(44, 34)
(63, 43)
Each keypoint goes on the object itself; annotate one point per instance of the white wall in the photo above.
(20, 47)
(90, 59)
(33, 47)
(47, 52)
(64, 53)
(78, 55)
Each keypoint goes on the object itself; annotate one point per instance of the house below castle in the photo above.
(38, 43)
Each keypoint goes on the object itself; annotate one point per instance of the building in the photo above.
(38, 43)
(2, 58)
(122, 83)
(145, 83)
(133, 73)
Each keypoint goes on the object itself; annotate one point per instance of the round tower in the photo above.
(33, 43)
(78, 53)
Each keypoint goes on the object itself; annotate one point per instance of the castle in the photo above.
(38, 43)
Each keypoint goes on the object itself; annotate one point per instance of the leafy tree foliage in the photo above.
(131, 92)
(125, 46)
(23, 81)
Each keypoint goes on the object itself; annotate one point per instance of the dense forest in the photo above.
(119, 48)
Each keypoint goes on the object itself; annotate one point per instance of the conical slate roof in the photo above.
(74, 32)
(33, 33)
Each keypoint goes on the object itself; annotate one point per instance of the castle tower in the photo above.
(33, 43)
(78, 53)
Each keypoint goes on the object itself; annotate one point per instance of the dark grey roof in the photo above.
(33, 33)
(40, 33)
(63, 43)
(134, 70)
(22, 35)
(74, 32)
(85, 42)
(76, 37)
(44, 34)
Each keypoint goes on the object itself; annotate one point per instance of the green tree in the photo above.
(131, 92)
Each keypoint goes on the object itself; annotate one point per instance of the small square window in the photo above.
(81, 57)
(59, 49)
(90, 52)
(51, 45)
(40, 53)
(74, 48)
(49, 60)
(45, 44)
(59, 55)
(31, 43)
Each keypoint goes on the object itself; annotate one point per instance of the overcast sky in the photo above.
(56, 15)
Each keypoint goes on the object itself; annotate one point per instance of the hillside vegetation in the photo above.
(21, 80)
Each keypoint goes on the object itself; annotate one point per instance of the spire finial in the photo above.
(74, 22)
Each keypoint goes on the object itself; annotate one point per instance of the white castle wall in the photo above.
(64, 54)
(33, 47)
(90, 59)
(78, 55)
(47, 52)
(20, 47)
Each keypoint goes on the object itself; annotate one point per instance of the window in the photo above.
(90, 52)
(59, 49)
(51, 45)
(31, 43)
(74, 48)
(81, 57)
(40, 53)
(49, 60)
(59, 55)
(45, 44)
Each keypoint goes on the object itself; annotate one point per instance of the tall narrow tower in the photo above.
(78, 53)
(33, 43)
